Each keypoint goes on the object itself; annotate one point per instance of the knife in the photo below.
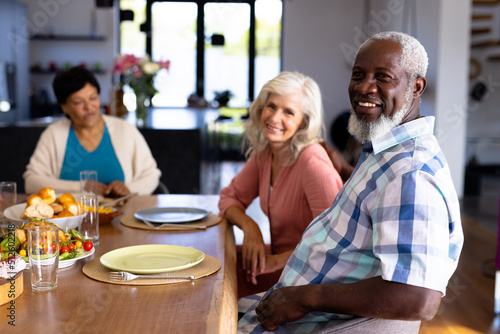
(118, 200)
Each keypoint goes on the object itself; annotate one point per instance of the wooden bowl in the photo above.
(107, 217)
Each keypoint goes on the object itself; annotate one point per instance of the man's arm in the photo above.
(372, 298)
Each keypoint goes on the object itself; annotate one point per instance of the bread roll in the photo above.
(71, 207)
(64, 213)
(66, 197)
(33, 200)
(41, 210)
(57, 208)
(48, 195)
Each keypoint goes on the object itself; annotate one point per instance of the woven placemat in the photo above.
(210, 220)
(95, 270)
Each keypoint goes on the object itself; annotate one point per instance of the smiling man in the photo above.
(391, 240)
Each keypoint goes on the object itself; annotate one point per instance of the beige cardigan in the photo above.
(139, 167)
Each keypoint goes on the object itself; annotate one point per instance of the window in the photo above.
(174, 37)
(213, 46)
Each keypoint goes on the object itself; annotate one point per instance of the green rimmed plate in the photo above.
(152, 259)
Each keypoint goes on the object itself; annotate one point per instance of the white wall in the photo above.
(452, 84)
(313, 33)
(324, 46)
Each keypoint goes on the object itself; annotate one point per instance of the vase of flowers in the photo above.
(138, 74)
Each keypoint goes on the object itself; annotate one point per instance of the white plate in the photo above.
(152, 259)
(13, 213)
(70, 262)
(171, 215)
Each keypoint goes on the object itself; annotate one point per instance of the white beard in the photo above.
(367, 131)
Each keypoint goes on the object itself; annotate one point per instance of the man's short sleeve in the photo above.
(414, 233)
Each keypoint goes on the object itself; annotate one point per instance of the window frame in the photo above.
(146, 27)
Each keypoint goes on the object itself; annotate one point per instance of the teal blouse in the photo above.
(103, 160)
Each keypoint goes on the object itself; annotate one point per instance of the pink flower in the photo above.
(125, 63)
(165, 64)
(137, 73)
(130, 61)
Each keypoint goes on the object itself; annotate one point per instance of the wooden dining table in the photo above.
(80, 304)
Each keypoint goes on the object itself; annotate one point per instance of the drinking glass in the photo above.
(89, 224)
(43, 254)
(8, 195)
(88, 182)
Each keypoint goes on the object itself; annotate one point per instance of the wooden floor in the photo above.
(468, 306)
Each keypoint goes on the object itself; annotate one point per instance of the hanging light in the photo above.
(4, 105)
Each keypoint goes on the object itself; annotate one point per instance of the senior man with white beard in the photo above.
(391, 240)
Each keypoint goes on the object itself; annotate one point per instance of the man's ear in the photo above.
(419, 86)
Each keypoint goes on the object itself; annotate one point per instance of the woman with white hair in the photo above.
(288, 169)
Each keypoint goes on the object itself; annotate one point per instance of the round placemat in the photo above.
(95, 270)
(210, 220)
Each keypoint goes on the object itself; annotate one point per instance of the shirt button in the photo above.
(366, 154)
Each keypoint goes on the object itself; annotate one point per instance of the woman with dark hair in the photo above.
(88, 140)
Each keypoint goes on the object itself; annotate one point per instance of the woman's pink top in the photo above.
(300, 193)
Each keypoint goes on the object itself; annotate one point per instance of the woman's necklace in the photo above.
(90, 138)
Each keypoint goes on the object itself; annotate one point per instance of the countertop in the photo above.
(158, 118)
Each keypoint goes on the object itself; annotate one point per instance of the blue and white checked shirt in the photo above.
(398, 217)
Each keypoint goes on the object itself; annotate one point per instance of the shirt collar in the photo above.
(419, 127)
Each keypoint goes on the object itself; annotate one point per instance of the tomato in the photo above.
(88, 245)
(45, 249)
(22, 252)
(64, 249)
(78, 243)
(53, 248)
(71, 247)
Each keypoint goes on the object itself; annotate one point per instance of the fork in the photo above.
(196, 227)
(126, 276)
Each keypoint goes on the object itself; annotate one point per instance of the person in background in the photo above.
(288, 169)
(388, 245)
(347, 149)
(88, 140)
(342, 166)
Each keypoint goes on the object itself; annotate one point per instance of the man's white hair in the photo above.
(414, 58)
